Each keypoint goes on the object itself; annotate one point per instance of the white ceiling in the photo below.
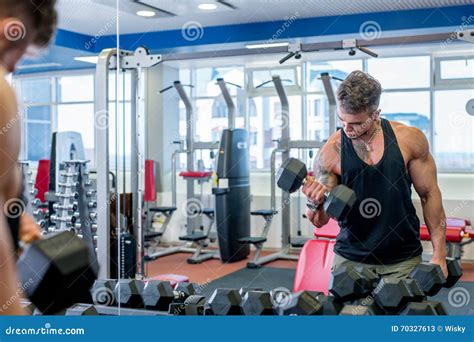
(97, 17)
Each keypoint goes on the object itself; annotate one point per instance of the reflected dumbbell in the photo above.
(69, 220)
(69, 207)
(92, 205)
(74, 185)
(73, 195)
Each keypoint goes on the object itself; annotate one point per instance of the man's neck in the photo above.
(368, 135)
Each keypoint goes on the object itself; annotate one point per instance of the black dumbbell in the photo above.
(225, 302)
(158, 295)
(102, 292)
(57, 272)
(128, 293)
(454, 272)
(258, 303)
(350, 283)
(393, 294)
(425, 308)
(330, 304)
(82, 310)
(431, 277)
(338, 202)
(362, 307)
(302, 303)
(194, 305)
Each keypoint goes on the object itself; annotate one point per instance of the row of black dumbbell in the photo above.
(392, 295)
(186, 300)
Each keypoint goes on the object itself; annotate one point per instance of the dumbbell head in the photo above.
(340, 201)
(258, 303)
(187, 289)
(225, 302)
(425, 308)
(157, 295)
(82, 310)
(194, 305)
(291, 175)
(102, 292)
(302, 303)
(454, 271)
(128, 293)
(350, 283)
(57, 272)
(429, 276)
(330, 305)
(392, 294)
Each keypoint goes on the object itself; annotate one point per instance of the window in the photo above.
(338, 69)
(457, 69)
(411, 108)
(401, 72)
(35, 98)
(453, 138)
(65, 102)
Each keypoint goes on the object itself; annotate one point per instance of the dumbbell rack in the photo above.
(32, 205)
(76, 206)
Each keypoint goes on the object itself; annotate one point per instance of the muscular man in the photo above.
(23, 23)
(379, 160)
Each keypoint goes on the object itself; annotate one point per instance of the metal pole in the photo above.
(189, 149)
(101, 132)
(331, 100)
(140, 160)
(284, 145)
(229, 103)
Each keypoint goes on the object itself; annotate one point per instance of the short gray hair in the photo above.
(359, 92)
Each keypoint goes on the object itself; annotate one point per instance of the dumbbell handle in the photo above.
(315, 206)
(310, 204)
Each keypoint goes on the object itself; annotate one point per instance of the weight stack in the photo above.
(232, 195)
(128, 262)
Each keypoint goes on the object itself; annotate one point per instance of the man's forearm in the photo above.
(435, 220)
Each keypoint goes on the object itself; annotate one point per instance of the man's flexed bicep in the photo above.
(325, 179)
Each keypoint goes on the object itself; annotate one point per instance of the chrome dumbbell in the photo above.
(69, 220)
(69, 185)
(69, 207)
(35, 202)
(92, 205)
(90, 193)
(93, 216)
(74, 195)
(33, 192)
(88, 183)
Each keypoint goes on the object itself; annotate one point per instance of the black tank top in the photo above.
(382, 227)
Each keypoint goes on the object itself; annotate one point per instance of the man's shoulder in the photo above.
(8, 102)
(412, 138)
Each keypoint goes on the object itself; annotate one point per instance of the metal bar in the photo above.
(302, 144)
(191, 221)
(311, 47)
(101, 132)
(140, 174)
(326, 79)
(229, 102)
(203, 145)
(284, 144)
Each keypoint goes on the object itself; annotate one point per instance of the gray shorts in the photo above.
(398, 270)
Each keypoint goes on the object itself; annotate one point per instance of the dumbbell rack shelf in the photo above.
(76, 206)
